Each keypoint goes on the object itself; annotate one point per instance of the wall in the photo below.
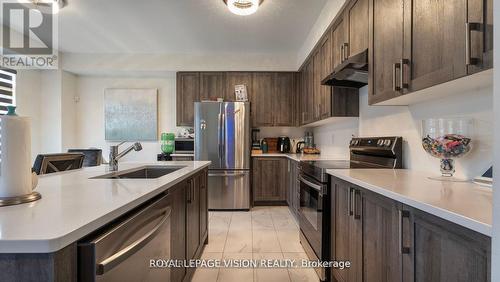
(28, 100)
(405, 121)
(330, 10)
(50, 114)
(90, 110)
(495, 276)
(68, 111)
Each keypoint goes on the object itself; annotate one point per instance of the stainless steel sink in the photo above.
(148, 172)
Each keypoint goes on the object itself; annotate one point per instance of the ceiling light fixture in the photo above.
(57, 4)
(243, 7)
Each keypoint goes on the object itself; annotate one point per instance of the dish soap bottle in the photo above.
(167, 143)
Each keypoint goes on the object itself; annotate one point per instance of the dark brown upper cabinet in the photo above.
(324, 101)
(339, 38)
(419, 44)
(356, 15)
(283, 113)
(212, 85)
(188, 92)
(386, 49)
(262, 99)
(273, 99)
(317, 87)
(237, 78)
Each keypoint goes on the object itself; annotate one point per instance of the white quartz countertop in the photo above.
(297, 157)
(74, 205)
(463, 203)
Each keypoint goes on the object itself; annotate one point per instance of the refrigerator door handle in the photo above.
(223, 145)
(219, 135)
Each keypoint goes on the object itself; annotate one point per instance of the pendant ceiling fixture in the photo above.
(243, 7)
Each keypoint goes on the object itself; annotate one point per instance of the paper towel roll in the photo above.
(15, 156)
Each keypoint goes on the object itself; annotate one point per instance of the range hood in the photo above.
(352, 73)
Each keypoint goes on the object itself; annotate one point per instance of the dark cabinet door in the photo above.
(435, 43)
(382, 259)
(316, 96)
(188, 92)
(338, 35)
(193, 218)
(201, 182)
(325, 70)
(480, 18)
(309, 104)
(302, 96)
(237, 78)
(178, 238)
(262, 99)
(212, 85)
(386, 49)
(341, 228)
(356, 16)
(283, 114)
(442, 251)
(269, 179)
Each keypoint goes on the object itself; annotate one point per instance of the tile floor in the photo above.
(263, 233)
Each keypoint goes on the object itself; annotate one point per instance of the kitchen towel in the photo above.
(15, 156)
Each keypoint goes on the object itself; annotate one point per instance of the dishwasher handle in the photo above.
(115, 259)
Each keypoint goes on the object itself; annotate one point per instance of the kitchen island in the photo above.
(76, 203)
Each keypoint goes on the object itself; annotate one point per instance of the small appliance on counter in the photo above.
(299, 147)
(272, 145)
(256, 148)
(284, 144)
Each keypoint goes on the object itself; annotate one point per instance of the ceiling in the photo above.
(184, 26)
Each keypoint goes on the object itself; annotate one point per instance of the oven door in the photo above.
(311, 211)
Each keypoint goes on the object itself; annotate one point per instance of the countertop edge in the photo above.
(56, 244)
(453, 217)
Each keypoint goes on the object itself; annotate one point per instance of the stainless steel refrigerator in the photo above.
(222, 135)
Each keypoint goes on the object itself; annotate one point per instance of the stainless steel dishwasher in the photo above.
(123, 251)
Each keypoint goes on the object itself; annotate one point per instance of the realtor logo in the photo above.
(28, 34)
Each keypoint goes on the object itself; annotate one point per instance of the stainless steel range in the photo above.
(315, 204)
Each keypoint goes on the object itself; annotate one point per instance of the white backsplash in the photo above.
(405, 121)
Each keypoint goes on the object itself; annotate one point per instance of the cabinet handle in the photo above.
(341, 53)
(189, 191)
(402, 83)
(351, 201)
(194, 192)
(395, 68)
(357, 204)
(346, 51)
(403, 216)
(468, 28)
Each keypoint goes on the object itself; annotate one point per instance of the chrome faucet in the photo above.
(114, 156)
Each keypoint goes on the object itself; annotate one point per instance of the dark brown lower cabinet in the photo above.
(196, 217)
(293, 192)
(202, 182)
(387, 241)
(178, 243)
(439, 250)
(269, 181)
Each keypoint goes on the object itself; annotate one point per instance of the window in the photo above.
(7, 89)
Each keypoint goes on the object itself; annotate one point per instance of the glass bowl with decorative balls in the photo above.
(447, 139)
